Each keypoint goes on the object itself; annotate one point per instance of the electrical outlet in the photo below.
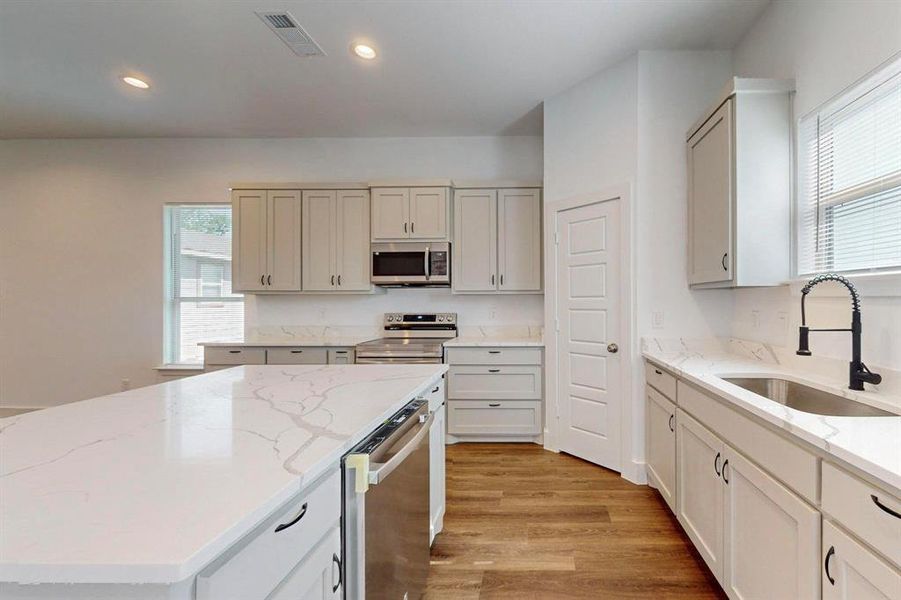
(657, 319)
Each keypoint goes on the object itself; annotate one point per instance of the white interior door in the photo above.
(588, 308)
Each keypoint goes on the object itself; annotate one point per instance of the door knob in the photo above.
(612, 348)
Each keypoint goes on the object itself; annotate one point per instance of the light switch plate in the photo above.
(657, 319)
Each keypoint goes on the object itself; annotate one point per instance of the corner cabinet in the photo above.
(335, 240)
(415, 213)
(497, 241)
(266, 240)
(739, 188)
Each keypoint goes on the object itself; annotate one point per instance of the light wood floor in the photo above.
(525, 523)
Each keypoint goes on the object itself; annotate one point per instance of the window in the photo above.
(849, 201)
(200, 305)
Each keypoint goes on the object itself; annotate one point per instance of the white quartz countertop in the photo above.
(342, 341)
(485, 341)
(150, 485)
(871, 444)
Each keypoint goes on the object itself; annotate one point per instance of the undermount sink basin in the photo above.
(806, 399)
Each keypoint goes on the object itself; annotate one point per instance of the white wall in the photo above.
(627, 125)
(824, 47)
(81, 294)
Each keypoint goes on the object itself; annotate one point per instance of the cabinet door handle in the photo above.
(412, 227)
(405, 228)
(494, 404)
(339, 280)
(502, 279)
(269, 280)
(262, 280)
(437, 387)
(725, 475)
(658, 371)
(492, 280)
(672, 418)
(829, 554)
(725, 268)
(494, 370)
(885, 508)
(283, 526)
(333, 280)
(716, 464)
(337, 561)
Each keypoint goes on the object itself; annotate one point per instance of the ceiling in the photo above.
(444, 68)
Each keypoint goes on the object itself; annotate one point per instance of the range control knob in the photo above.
(389, 318)
(441, 318)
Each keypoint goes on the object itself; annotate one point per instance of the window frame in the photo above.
(172, 299)
(874, 278)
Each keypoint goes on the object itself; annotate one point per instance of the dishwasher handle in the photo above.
(383, 470)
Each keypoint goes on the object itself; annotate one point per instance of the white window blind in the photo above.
(200, 305)
(849, 201)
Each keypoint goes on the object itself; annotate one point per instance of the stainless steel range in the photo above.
(410, 339)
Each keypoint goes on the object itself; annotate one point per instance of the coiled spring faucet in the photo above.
(859, 373)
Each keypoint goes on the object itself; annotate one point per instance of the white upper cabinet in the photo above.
(390, 213)
(335, 240)
(266, 240)
(410, 213)
(519, 240)
(352, 244)
(319, 240)
(739, 188)
(497, 240)
(475, 241)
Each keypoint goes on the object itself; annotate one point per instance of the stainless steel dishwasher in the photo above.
(386, 509)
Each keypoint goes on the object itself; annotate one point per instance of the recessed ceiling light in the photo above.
(363, 51)
(135, 82)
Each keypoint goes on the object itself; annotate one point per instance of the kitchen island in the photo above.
(132, 495)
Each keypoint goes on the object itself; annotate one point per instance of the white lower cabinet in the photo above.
(851, 572)
(700, 489)
(661, 454)
(771, 538)
(318, 576)
(493, 418)
(437, 500)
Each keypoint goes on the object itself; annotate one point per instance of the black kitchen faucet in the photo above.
(859, 373)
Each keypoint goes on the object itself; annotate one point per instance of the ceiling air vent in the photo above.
(286, 28)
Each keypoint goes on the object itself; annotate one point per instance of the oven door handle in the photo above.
(383, 470)
(428, 263)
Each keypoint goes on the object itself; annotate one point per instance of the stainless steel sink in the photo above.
(806, 399)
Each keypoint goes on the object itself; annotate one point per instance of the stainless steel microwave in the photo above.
(411, 264)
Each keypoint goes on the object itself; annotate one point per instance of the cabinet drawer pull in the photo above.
(340, 351)
(296, 351)
(494, 370)
(829, 554)
(671, 419)
(494, 352)
(494, 404)
(337, 561)
(884, 508)
(725, 475)
(658, 371)
(716, 464)
(234, 352)
(283, 526)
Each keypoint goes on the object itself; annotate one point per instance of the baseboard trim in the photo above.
(635, 472)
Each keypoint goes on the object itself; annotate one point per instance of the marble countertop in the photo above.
(341, 341)
(150, 485)
(480, 341)
(871, 444)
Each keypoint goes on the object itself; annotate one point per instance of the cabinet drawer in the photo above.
(494, 356)
(340, 356)
(317, 576)
(491, 418)
(494, 383)
(296, 356)
(234, 356)
(853, 503)
(793, 466)
(661, 380)
(257, 567)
